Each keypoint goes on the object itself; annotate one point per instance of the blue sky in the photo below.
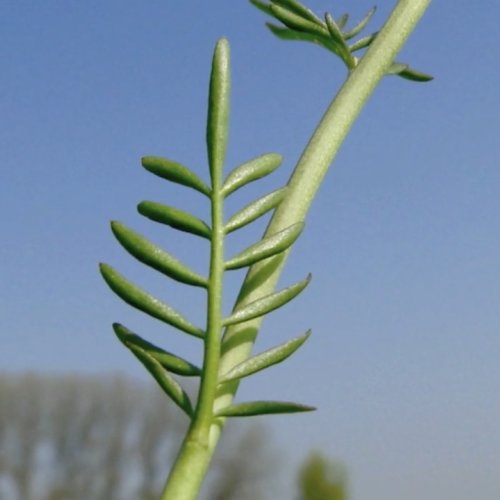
(403, 240)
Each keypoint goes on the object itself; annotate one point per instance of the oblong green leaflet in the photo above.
(395, 68)
(169, 385)
(174, 172)
(404, 71)
(175, 218)
(341, 48)
(266, 247)
(299, 9)
(266, 304)
(363, 42)
(262, 408)
(145, 302)
(334, 29)
(169, 361)
(294, 21)
(218, 109)
(262, 6)
(251, 171)
(255, 210)
(155, 257)
(414, 75)
(288, 34)
(342, 21)
(361, 25)
(264, 360)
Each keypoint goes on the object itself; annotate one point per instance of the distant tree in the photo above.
(321, 479)
(247, 474)
(107, 438)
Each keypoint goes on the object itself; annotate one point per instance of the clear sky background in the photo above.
(403, 239)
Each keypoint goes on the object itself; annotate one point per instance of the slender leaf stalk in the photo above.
(194, 457)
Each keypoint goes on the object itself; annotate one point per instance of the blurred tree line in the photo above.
(110, 438)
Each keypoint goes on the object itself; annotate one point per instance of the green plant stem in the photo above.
(311, 169)
(195, 454)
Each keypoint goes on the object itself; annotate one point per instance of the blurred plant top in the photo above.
(321, 479)
(300, 23)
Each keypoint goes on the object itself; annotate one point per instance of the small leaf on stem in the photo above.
(334, 29)
(266, 304)
(363, 42)
(296, 22)
(170, 361)
(396, 68)
(218, 109)
(251, 171)
(145, 302)
(288, 34)
(299, 9)
(265, 359)
(174, 172)
(360, 26)
(266, 247)
(341, 48)
(155, 257)
(255, 210)
(262, 408)
(169, 385)
(415, 76)
(262, 6)
(342, 21)
(175, 218)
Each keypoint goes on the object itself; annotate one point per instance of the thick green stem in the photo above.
(197, 449)
(318, 155)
